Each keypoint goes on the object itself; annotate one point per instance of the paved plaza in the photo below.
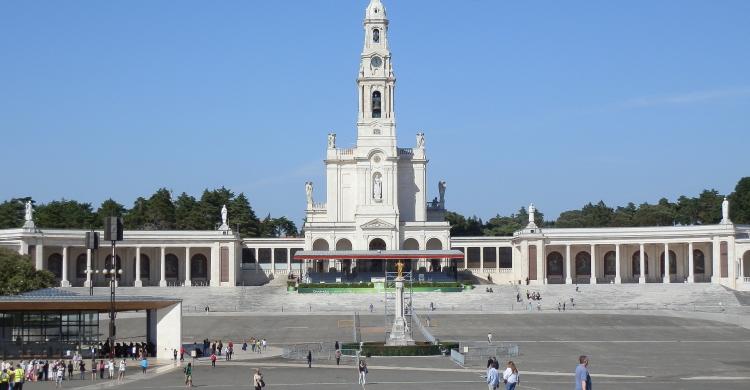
(628, 351)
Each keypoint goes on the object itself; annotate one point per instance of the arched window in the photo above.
(171, 266)
(54, 265)
(377, 244)
(199, 267)
(376, 35)
(583, 264)
(81, 266)
(555, 264)
(145, 267)
(699, 262)
(118, 264)
(610, 264)
(376, 104)
(672, 263)
(637, 263)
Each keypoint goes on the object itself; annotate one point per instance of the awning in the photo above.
(53, 299)
(379, 255)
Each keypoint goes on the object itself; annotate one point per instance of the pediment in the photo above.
(377, 224)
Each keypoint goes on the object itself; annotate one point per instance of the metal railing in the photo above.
(425, 332)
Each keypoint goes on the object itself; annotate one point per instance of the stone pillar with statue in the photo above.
(400, 333)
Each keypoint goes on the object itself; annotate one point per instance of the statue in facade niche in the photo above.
(377, 188)
(29, 215)
(441, 190)
(309, 192)
(331, 140)
(420, 140)
(725, 211)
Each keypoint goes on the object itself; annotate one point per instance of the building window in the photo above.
(637, 263)
(610, 264)
(583, 264)
(555, 264)
(81, 266)
(699, 262)
(376, 35)
(54, 265)
(171, 266)
(376, 104)
(199, 267)
(672, 263)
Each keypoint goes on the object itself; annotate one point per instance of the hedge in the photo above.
(336, 285)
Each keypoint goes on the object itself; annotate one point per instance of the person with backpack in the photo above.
(258, 382)
(188, 375)
(213, 360)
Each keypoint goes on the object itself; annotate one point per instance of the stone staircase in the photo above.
(269, 298)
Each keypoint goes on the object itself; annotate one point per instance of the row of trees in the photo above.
(702, 209)
(157, 212)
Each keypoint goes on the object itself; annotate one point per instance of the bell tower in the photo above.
(376, 123)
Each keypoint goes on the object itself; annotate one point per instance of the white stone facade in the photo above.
(376, 197)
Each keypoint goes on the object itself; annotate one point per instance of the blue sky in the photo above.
(559, 103)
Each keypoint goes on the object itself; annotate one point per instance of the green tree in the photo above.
(242, 216)
(709, 207)
(462, 226)
(597, 215)
(19, 274)
(661, 214)
(64, 214)
(187, 215)
(739, 202)
(12, 213)
(571, 219)
(210, 207)
(108, 208)
(623, 216)
(160, 212)
(137, 218)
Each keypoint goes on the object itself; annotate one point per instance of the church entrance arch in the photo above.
(375, 266)
(345, 245)
(54, 265)
(319, 245)
(435, 244)
(411, 244)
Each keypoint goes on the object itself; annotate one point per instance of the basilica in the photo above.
(376, 203)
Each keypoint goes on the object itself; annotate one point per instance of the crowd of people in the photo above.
(13, 376)
(510, 376)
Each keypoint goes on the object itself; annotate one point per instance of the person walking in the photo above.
(82, 369)
(182, 353)
(362, 369)
(121, 371)
(4, 379)
(510, 376)
(18, 378)
(213, 360)
(100, 367)
(493, 377)
(111, 368)
(489, 338)
(59, 373)
(338, 356)
(144, 364)
(309, 359)
(583, 379)
(188, 375)
(70, 370)
(93, 369)
(258, 382)
(174, 355)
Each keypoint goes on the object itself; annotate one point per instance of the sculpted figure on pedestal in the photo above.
(309, 192)
(441, 190)
(420, 140)
(29, 211)
(224, 215)
(377, 188)
(331, 140)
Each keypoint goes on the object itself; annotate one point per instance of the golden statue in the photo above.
(400, 268)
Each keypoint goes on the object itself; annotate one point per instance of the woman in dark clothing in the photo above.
(101, 369)
(309, 359)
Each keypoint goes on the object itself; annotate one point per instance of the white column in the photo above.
(618, 276)
(257, 262)
(273, 261)
(466, 257)
(593, 264)
(64, 282)
(481, 260)
(289, 260)
(216, 265)
(568, 276)
(87, 283)
(642, 254)
(162, 261)
(39, 254)
(138, 282)
(497, 259)
(188, 281)
(541, 271)
(716, 260)
(691, 275)
(666, 263)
